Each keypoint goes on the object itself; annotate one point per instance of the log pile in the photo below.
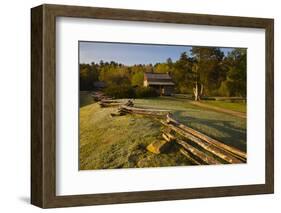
(197, 147)
(127, 109)
(109, 103)
(200, 148)
(120, 110)
(98, 96)
(196, 153)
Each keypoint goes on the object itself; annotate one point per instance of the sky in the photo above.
(130, 54)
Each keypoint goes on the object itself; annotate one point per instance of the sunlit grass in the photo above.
(235, 106)
(120, 142)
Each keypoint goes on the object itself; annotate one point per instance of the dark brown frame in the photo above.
(43, 105)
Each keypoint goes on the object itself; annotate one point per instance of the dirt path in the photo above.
(228, 111)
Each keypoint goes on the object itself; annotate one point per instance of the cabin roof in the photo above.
(161, 83)
(159, 79)
(158, 76)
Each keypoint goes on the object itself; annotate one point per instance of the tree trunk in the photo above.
(195, 91)
(197, 94)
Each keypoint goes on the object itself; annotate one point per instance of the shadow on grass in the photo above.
(222, 130)
(85, 99)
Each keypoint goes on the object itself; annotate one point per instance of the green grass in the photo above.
(235, 106)
(120, 142)
(227, 128)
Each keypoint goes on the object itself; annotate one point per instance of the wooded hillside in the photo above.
(203, 71)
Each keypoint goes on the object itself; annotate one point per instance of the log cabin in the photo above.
(161, 82)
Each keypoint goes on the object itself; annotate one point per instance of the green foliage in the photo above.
(237, 73)
(209, 67)
(224, 89)
(220, 75)
(112, 74)
(182, 74)
(141, 68)
(127, 91)
(88, 74)
(120, 91)
(145, 92)
(137, 79)
(162, 68)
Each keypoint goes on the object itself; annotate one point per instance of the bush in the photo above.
(123, 91)
(145, 92)
(127, 91)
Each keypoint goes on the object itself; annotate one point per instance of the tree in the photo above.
(205, 71)
(169, 62)
(137, 79)
(162, 68)
(198, 88)
(182, 73)
(209, 71)
(235, 82)
(114, 75)
(87, 75)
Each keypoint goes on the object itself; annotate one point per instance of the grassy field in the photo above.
(120, 142)
(235, 106)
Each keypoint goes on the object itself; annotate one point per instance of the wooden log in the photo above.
(135, 109)
(168, 137)
(129, 103)
(195, 152)
(236, 152)
(198, 154)
(103, 104)
(98, 96)
(186, 154)
(142, 111)
(109, 101)
(226, 156)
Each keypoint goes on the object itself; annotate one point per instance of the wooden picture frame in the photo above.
(43, 105)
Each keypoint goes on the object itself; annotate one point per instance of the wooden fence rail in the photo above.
(196, 146)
